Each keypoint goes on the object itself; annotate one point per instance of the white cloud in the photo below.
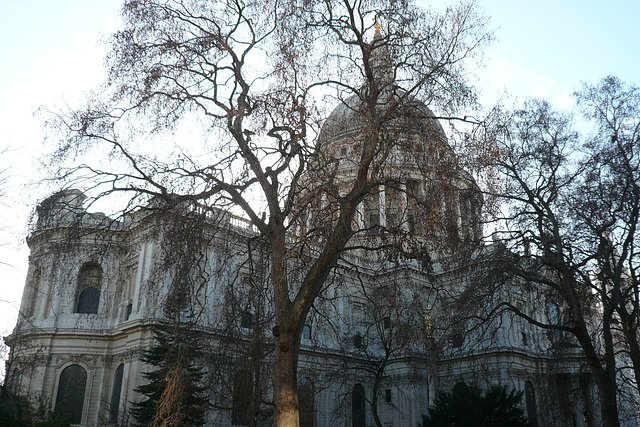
(501, 75)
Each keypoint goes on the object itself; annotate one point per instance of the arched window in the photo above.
(530, 398)
(357, 341)
(243, 411)
(89, 284)
(246, 319)
(88, 301)
(70, 397)
(460, 389)
(306, 403)
(358, 408)
(114, 408)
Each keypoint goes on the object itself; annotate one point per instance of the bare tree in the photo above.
(384, 324)
(394, 330)
(610, 211)
(241, 84)
(239, 361)
(568, 227)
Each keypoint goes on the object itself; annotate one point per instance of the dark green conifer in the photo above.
(469, 406)
(174, 394)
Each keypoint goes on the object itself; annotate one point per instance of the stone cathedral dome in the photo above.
(412, 114)
(425, 191)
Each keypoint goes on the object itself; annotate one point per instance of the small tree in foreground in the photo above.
(173, 395)
(469, 406)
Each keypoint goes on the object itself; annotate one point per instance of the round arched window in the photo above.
(70, 397)
(89, 284)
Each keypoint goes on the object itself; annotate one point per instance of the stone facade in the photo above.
(97, 288)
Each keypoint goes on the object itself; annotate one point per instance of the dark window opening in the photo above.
(33, 290)
(525, 339)
(530, 399)
(242, 411)
(358, 409)
(114, 408)
(374, 223)
(565, 401)
(128, 311)
(88, 301)
(386, 322)
(457, 339)
(306, 403)
(392, 221)
(387, 395)
(70, 397)
(585, 383)
(357, 341)
(88, 291)
(413, 187)
(246, 320)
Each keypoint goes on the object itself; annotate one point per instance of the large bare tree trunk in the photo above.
(607, 396)
(374, 400)
(284, 381)
(285, 390)
(608, 389)
(604, 377)
(631, 336)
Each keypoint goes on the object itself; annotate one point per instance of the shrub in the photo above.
(470, 406)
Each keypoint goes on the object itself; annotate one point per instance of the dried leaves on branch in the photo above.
(568, 229)
(221, 104)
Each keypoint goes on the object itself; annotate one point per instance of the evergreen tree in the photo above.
(174, 393)
(469, 406)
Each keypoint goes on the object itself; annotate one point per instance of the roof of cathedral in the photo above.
(404, 114)
(395, 108)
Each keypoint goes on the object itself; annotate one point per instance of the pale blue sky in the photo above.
(51, 54)
(565, 41)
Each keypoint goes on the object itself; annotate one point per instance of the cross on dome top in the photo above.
(380, 57)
